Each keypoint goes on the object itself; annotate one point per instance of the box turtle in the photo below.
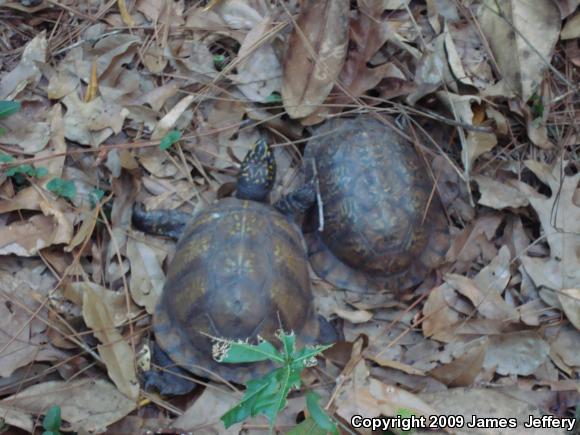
(383, 227)
(240, 272)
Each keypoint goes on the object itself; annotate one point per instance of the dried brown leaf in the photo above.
(368, 32)
(566, 346)
(364, 395)
(570, 300)
(259, 70)
(203, 417)
(115, 301)
(467, 56)
(115, 351)
(147, 277)
(27, 71)
(465, 367)
(358, 316)
(93, 122)
(522, 36)
(498, 195)
(19, 340)
(475, 404)
(518, 353)
(316, 52)
(489, 304)
(26, 238)
(441, 318)
(560, 220)
(86, 404)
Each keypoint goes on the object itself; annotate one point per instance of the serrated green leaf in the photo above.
(52, 420)
(257, 391)
(64, 188)
(7, 108)
(169, 139)
(271, 405)
(307, 427)
(2, 131)
(317, 413)
(288, 343)
(307, 353)
(245, 352)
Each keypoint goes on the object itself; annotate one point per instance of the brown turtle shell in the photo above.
(383, 224)
(240, 271)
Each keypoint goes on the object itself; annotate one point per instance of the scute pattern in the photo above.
(375, 191)
(240, 269)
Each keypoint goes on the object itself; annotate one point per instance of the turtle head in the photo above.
(257, 173)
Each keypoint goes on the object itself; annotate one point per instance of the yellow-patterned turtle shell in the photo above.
(240, 272)
(383, 223)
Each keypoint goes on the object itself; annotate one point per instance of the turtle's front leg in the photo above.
(168, 223)
(298, 201)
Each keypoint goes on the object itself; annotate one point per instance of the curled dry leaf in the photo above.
(518, 353)
(441, 318)
(522, 36)
(93, 122)
(358, 316)
(147, 277)
(27, 71)
(498, 195)
(560, 220)
(368, 33)
(488, 402)
(204, 416)
(477, 144)
(27, 238)
(259, 70)
(465, 367)
(487, 303)
(467, 57)
(572, 28)
(19, 332)
(474, 243)
(566, 346)
(29, 133)
(115, 301)
(315, 55)
(364, 395)
(115, 351)
(89, 405)
(570, 300)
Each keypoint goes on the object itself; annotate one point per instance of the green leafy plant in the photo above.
(219, 61)
(274, 98)
(7, 108)
(169, 139)
(95, 196)
(19, 171)
(52, 421)
(64, 188)
(268, 395)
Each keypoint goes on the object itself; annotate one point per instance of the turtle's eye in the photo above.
(257, 173)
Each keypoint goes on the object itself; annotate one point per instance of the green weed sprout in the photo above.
(268, 395)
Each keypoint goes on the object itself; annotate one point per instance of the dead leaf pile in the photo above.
(487, 92)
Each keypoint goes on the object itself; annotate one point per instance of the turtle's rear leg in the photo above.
(169, 382)
(168, 223)
(298, 201)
